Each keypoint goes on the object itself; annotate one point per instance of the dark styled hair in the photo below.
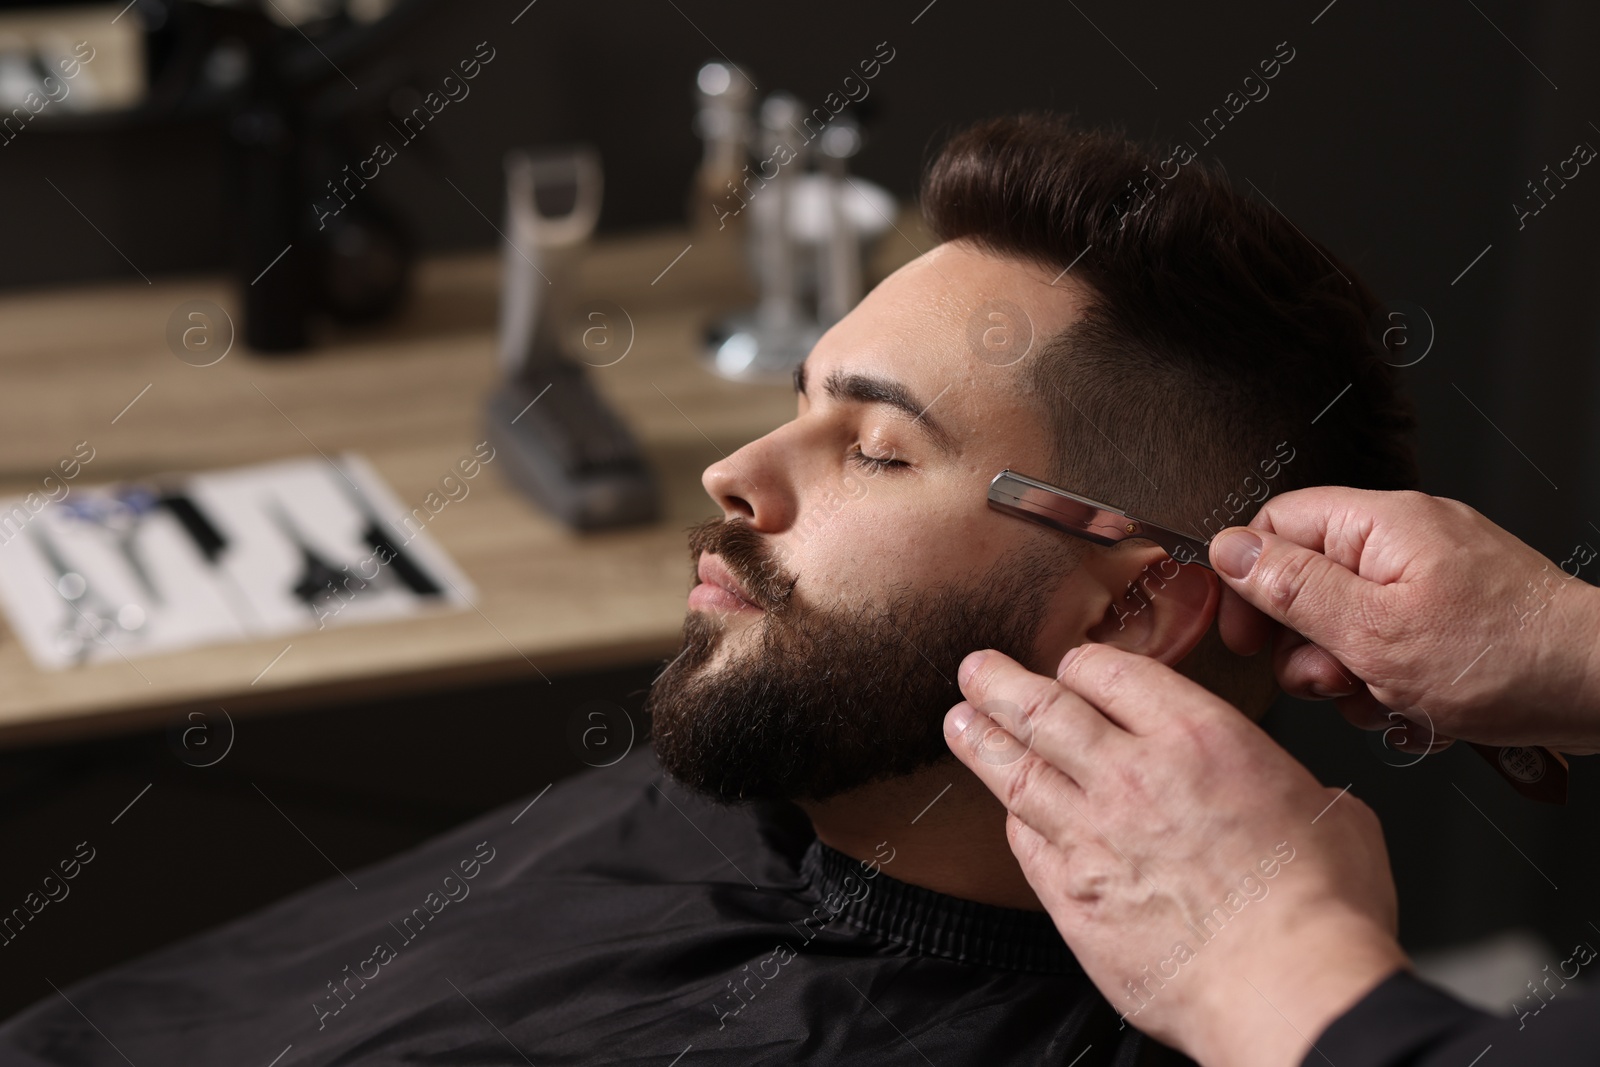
(1218, 339)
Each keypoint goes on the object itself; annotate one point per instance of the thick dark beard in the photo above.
(829, 700)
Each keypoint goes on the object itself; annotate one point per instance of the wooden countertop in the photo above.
(409, 396)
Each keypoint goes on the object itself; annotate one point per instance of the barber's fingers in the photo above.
(1364, 711)
(1333, 521)
(1309, 671)
(1075, 879)
(1299, 587)
(1032, 788)
(1141, 694)
(1242, 626)
(1034, 851)
(1416, 739)
(1403, 733)
(1041, 715)
(1414, 732)
(1055, 869)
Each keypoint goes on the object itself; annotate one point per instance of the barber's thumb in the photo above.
(1298, 586)
(1234, 552)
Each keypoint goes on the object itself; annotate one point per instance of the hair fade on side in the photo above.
(1216, 330)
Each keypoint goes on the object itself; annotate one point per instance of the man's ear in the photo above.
(1159, 607)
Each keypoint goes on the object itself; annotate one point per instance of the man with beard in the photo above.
(802, 872)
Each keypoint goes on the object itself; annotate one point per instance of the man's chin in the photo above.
(729, 632)
(804, 703)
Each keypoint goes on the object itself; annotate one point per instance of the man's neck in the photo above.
(946, 830)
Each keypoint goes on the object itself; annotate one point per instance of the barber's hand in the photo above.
(1218, 896)
(1420, 606)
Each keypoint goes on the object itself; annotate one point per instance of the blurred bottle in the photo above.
(726, 99)
(265, 170)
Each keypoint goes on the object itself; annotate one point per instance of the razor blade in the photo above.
(1537, 773)
(1081, 516)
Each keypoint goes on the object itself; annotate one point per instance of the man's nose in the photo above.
(753, 484)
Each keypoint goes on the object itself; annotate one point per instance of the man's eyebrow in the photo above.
(866, 389)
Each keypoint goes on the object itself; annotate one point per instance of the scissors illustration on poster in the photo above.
(137, 569)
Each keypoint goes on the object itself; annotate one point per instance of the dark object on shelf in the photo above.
(363, 265)
(565, 448)
(264, 171)
(291, 116)
(563, 444)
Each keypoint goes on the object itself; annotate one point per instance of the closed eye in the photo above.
(877, 463)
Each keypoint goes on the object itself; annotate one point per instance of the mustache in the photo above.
(748, 557)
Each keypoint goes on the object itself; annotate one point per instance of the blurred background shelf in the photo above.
(407, 395)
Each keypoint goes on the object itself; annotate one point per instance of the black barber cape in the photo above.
(616, 919)
(1408, 1022)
